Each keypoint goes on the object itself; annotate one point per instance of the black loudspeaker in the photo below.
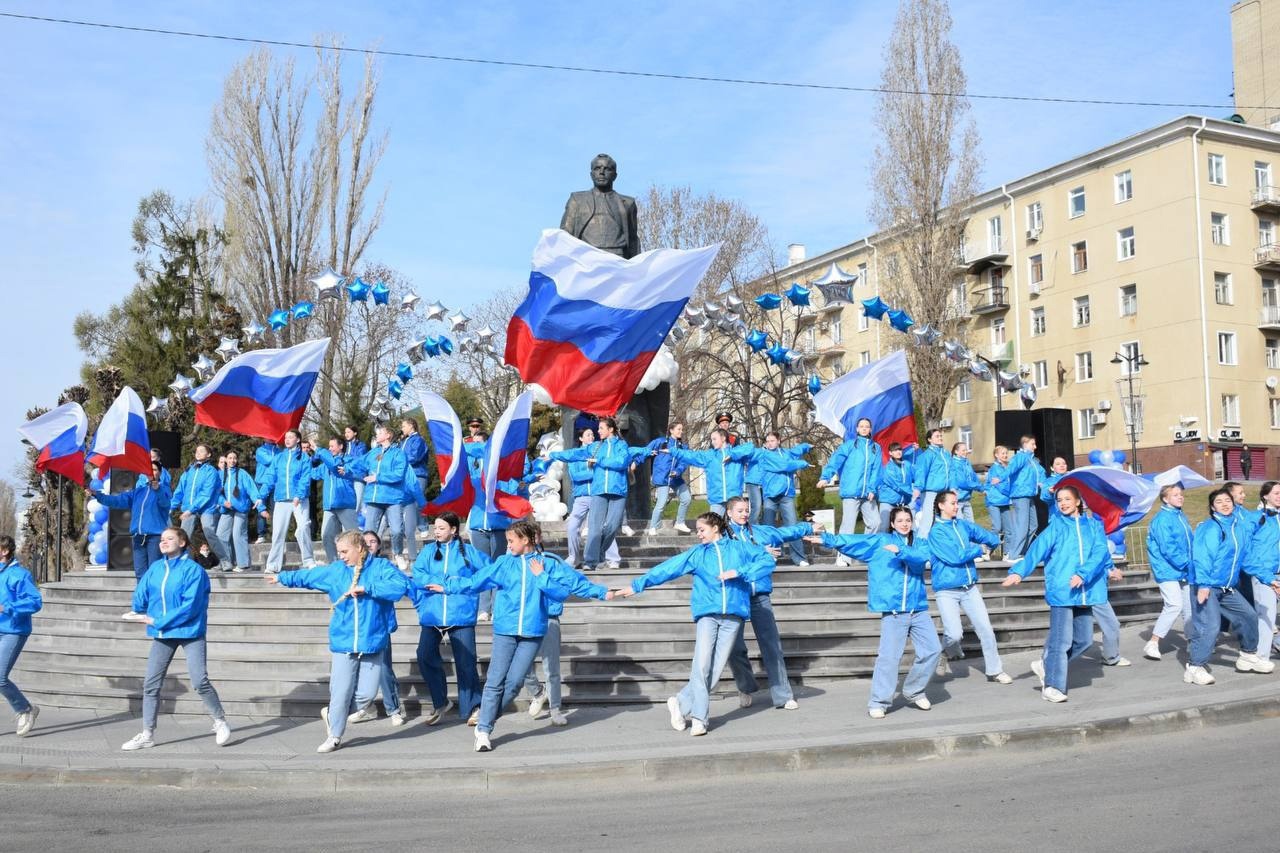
(1011, 426)
(1052, 429)
(119, 542)
(170, 446)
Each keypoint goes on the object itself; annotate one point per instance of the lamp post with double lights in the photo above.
(1132, 363)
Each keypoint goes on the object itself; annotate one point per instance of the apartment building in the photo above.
(1138, 284)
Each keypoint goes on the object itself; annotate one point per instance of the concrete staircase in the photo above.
(268, 650)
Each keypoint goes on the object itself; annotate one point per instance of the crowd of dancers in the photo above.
(916, 515)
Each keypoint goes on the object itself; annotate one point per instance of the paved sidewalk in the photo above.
(636, 743)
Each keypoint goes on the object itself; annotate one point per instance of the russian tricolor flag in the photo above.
(507, 450)
(879, 391)
(457, 493)
(121, 440)
(59, 436)
(1117, 497)
(261, 393)
(593, 321)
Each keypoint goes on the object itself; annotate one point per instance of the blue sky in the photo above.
(96, 119)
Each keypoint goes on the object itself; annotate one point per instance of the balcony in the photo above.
(1267, 258)
(991, 301)
(1270, 320)
(977, 261)
(1266, 200)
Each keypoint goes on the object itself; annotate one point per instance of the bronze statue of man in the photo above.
(601, 217)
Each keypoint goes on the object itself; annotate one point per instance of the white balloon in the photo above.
(92, 506)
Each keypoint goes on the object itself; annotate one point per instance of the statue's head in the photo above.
(604, 171)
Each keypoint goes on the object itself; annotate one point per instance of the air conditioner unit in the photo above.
(1104, 405)
(1098, 419)
(1229, 434)
(1033, 289)
(1186, 435)
(945, 423)
(1033, 233)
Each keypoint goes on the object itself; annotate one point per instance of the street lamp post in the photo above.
(1132, 362)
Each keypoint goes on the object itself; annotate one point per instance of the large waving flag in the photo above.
(121, 440)
(1117, 497)
(261, 393)
(457, 493)
(593, 321)
(59, 436)
(879, 391)
(507, 450)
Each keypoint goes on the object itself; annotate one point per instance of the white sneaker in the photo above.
(26, 720)
(324, 715)
(329, 745)
(557, 718)
(803, 564)
(537, 703)
(683, 528)
(142, 740)
(435, 714)
(651, 531)
(1120, 661)
(744, 700)
(1151, 651)
(626, 530)
(1001, 678)
(677, 716)
(422, 535)
(364, 715)
(482, 741)
(1037, 667)
(221, 732)
(614, 564)
(922, 702)
(482, 616)
(1250, 662)
(944, 667)
(875, 713)
(1053, 694)
(1197, 675)
(842, 560)
(699, 728)
(399, 718)
(790, 705)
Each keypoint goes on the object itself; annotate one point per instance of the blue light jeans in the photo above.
(388, 683)
(333, 522)
(660, 498)
(550, 654)
(1264, 604)
(375, 513)
(10, 647)
(421, 521)
(509, 662)
(767, 638)
(281, 512)
(162, 652)
(924, 518)
(715, 638)
(852, 508)
(410, 516)
(1208, 622)
(1070, 634)
(965, 510)
(353, 682)
(233, 532)
(950, 603)
(1177, 602)
(1109, 624)
(755, 497)
(998, 514)
(1020, 525)
(577, 515)
(604, 520)
(209, 526)
(781, 511)
(462, 640)
(492, 543)
(146, 550)
(895, 628)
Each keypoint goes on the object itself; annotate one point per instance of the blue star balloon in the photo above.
(381, 293)
(278, 320)
(798, 295)
(757, 340)
(358, 291)
(431, 346)
(395, 389)
(303, 310)
(815, 384)
(768, 301)
(900, 321)
(875, 307)
(446, 345)
(404, 371)
(777, 353)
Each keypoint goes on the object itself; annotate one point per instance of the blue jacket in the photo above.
(1263, 560)
(895, 582)
(771, 537)
(439, 609)
(288, 478)
(175, 593)
(1169, 541)
(712, 596)
(231, 480)
(389, 468)
(337, 490)
(1218, 550)
(997, 493)
(197, 489)
(520, 607)
(355, 449)
(776, 469)
(415, 453)
(953, 546)
(359, 623)
(262, 459)
(895, 484)
(724, 469)
(572, 582)
(1070, 546)
(581, 475)
(613, 459)
(858, 461)
(666, 470)
(148, 508)
(20, 597)
(963, 478)
(1024, 474)
(935, 470)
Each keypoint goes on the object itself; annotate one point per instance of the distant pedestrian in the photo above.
(1246, 462)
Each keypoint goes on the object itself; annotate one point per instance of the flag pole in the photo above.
(61, 489)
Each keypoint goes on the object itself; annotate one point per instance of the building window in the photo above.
(1080, 312)
(959, 298)
(1222, 288)
(964, 391)
(1037, 322)
(837, 330)
(965, 434)
(1270, 293)
(1037, 268)
(1218, 169)
(995, 234)
(1126, 246)
(837, 366)
(1035, 217)
(1131, 354)
(1266, 232)
(1084, 366)
(864, 358)
(1275, 412)
(1261, 175)
(1085, 421)
(1273, 353)
(862, 274)
(1124, 186)
(1080, 256)
(1128, 300)
(864, 322)
(811, 339)
(1042, 374)
(997, 332)
(1218, 230)
(1075, 202)
(1231, 410)
(1227, 348)
(995, 279)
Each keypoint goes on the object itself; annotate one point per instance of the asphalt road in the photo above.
(1212, 789)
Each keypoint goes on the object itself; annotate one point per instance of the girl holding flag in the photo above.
(19, 598)
(1169, 550)
(148, 506)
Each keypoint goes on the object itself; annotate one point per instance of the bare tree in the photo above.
(8, 510)
(925, 176)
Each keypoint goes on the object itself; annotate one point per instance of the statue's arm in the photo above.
(567, 221)
(633, 230)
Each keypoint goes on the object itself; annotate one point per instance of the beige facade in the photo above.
(1159, 245)
(1255, 40)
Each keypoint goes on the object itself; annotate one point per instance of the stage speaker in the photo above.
(170, 446)
(1012, 425)
(119, 542)
(1054, 437)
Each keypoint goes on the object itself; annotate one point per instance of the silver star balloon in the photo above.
(253, 333)
(1028, 394)
(158, 407)
(203, 367)
(458, 322)
(415, 352)
(694, 314)
(328, 284)
(410, 302)
(485, 334)
(181, 385)
(677, 334)
(436, 311)
(733, 303)
(228, 349)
